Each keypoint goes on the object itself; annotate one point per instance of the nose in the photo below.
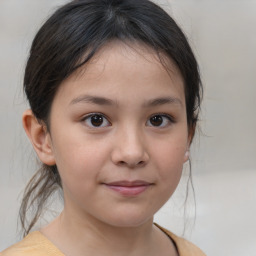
(130, 149)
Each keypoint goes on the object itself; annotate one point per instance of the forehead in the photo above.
(135, 52)
(128, 66)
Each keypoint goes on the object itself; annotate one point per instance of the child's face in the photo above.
(119, 136)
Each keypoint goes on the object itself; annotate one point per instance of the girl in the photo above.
(114, 91)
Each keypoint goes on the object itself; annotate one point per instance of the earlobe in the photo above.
(39, 137)
(190, 138)
(186, 156)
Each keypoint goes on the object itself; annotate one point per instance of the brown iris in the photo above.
(156, 120)
(97, 120)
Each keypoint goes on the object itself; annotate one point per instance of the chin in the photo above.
(128, 219)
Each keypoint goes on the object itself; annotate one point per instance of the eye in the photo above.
(160, 120)
(96, 121)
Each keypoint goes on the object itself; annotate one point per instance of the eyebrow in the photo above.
(93, 99)
(162, 101)
(97, 100)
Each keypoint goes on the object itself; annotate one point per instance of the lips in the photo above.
(129, 188)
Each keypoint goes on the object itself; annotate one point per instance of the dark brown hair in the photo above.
(70, 38)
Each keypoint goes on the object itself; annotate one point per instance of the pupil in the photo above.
(96, 120)
(156, 120)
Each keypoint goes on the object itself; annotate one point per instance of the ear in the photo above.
(191, 133)
(186, 156)
(39, 137)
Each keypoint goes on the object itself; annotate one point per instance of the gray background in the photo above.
(223, 36)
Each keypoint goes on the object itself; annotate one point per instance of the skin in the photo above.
(127, 146)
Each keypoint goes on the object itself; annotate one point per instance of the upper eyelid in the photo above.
(164, 115)
(170, 117)
(94, 114)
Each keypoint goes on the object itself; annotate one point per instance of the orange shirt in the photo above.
(36, 244)
(184, 247)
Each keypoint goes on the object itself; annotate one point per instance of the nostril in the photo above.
(122, 163)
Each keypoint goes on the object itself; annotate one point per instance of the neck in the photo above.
(88, 235)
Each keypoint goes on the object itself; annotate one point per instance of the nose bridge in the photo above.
(133, 139)
(130, 146)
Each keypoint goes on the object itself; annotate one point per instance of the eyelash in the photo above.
(87, 117)
(167, 117)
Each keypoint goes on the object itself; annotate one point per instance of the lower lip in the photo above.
(129, 191)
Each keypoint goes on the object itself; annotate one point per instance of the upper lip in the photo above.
(126, 183)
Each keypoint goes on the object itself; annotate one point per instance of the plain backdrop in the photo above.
(222, 34)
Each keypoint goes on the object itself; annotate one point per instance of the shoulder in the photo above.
(184, 247)
(33, 244)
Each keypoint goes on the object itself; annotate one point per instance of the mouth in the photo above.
(129, 188)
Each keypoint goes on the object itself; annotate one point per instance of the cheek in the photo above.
(170, 159)
(80, 172)
(79, 162)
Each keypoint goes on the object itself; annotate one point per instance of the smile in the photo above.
(128, 188)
